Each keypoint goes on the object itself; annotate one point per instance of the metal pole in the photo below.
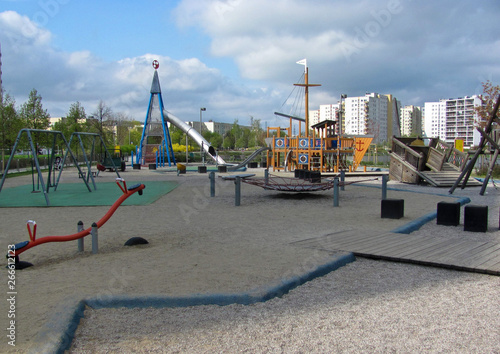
(266, 175)
(187, 157)
(79, 228)
(237, 191)
(212, 183)
(342, 179)
(95, 246)
(202, 109)
(336, 192)
(384, 186)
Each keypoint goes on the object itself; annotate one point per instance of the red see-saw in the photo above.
(26, 245)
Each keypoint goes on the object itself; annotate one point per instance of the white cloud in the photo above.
(29, 60)
(413, 49)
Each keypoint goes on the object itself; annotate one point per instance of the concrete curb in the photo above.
(57, 334)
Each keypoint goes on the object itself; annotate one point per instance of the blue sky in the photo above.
(238, 57)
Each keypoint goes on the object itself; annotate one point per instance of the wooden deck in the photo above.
(472, 256)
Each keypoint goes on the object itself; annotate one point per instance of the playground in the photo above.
(202, 245)
(268, 254)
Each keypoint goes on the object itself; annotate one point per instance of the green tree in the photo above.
(75, 121)
(10, 124)
(228, 141)
(32, 112)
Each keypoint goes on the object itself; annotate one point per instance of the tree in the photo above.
(75, 121)
(33, 114)
(100, 119)
(10, 124)
(488, 98)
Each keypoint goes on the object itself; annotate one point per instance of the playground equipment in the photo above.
(290, 184)
(485, 137)
(156, 136)
(21, 247)
(54, 163)
(114, 160)
(88, 163)
(326, 150)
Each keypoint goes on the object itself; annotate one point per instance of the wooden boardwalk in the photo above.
(472, 256)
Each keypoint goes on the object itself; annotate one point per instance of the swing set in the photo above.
(55, 162)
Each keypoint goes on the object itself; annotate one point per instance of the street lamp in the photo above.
(342, 96)
(202, 109)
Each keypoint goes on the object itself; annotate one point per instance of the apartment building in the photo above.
(410, 121)
(452, 119)
(214, 127)
(373, 114)
(325, 112)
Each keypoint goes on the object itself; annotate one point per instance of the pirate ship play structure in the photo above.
(321, 147)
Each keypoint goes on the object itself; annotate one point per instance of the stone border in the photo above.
(57, 334)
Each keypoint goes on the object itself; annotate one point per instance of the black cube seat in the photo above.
(448, 213)
(476, 218)
(392, 208)
(202, 169)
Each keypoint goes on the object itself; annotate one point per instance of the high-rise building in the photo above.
(410, 119)
(372, 114)
(452, 119)
(325, 112)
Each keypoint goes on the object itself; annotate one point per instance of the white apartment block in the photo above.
(451, 119)
(371, 114)
(214, 127)
(325, 112)
(314, 117)
(410, 121)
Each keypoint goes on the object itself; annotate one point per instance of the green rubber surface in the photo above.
(77, 194)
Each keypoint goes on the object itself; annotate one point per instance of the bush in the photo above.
(484, 170)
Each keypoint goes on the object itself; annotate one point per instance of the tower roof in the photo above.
(155, 85)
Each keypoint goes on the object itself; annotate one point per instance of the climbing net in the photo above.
(290, 184)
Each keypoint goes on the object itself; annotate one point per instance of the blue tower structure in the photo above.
(156, 144)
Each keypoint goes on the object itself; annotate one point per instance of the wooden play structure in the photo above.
(325, 151)
(437, 163)
(322, 147)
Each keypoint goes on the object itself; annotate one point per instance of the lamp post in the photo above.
(202, 109)
(341, 110)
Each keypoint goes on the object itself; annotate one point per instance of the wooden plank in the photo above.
(421, 244)
(445, 251)
(355, 243)
(483, 257)
(417, 251)
(469, 253)
(396, 242)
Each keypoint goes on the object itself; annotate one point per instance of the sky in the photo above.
(237, 58)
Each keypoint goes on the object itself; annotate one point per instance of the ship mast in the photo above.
(306, 86)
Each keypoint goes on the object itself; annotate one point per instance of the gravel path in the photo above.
(367, 306)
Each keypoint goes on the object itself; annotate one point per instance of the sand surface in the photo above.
(207, 245)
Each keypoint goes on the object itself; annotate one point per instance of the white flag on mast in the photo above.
(303, 62)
